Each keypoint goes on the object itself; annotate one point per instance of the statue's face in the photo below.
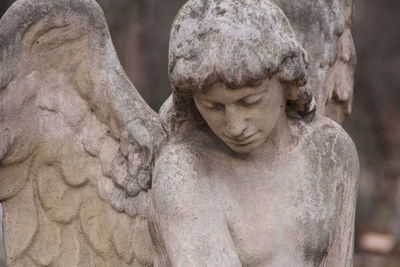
(243, 118)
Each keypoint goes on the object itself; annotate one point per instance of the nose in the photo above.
(235, 124)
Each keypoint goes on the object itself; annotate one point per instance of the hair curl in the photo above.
(239, 43)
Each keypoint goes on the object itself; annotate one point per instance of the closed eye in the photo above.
(212, 105)
(251, 100)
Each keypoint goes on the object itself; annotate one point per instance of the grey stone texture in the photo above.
(2, 253)
(66, 111)
(91, 176)
(231, 200)
(324, 29)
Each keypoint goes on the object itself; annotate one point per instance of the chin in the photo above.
(245, 149)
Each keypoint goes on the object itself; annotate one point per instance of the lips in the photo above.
(243, 141)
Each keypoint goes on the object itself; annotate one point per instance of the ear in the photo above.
(300, 102)
(292, 92)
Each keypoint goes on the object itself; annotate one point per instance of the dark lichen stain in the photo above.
(220, 11)
(314, 255)
(316, 246)
(200, 10)
(202, 35)
(194, 14)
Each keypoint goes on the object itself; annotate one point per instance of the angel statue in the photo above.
(241, 167)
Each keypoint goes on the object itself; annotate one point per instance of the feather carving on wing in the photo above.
(76, 137)
(324, 29)
(78, 142)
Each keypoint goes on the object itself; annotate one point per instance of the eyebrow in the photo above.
(203, 96)
(212, 102)
(251, 95)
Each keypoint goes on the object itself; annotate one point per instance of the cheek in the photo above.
(213, 120)
(266, 116)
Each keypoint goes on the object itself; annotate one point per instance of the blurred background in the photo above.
(140, 31)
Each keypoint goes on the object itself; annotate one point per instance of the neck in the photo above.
(276, 143)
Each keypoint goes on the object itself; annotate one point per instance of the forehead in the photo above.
(219, 92)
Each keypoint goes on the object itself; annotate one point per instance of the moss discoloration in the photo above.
(208, 36)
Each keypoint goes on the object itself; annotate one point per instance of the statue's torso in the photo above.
(278, 209)
(282, 212)
(280, 218)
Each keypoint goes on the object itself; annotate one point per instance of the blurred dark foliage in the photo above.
(375, 124)
(4, 4)
(140, 31)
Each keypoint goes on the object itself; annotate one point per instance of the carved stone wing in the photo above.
(75, 135)
(323, 27)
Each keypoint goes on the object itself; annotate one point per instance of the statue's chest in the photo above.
(283, 220)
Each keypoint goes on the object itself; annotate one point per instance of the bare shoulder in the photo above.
(327, 142)
(180, 172)
(327, 133)
(185, 157)
(176, 159)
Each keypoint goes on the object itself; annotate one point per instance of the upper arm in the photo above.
(342, 248)
(187, 228)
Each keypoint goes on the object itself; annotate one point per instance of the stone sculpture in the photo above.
(239, 168)
(323, 28)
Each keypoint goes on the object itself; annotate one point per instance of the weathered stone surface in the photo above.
(20, 223)
(96, 225)
(142, 245)
(108, 152)
(47, 243)
(65, 105)
(60, 201)
(51, 186)
(24, 261)
(131, 239)
(323, 28)
(13, 179)
(19, 121)
(67, 208)
(71, 252)
(72, 107)
(123, 238)
(232, 186)
(77, 168)
(254, 189)
(93, 136)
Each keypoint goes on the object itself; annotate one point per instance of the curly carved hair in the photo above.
(239, 43)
